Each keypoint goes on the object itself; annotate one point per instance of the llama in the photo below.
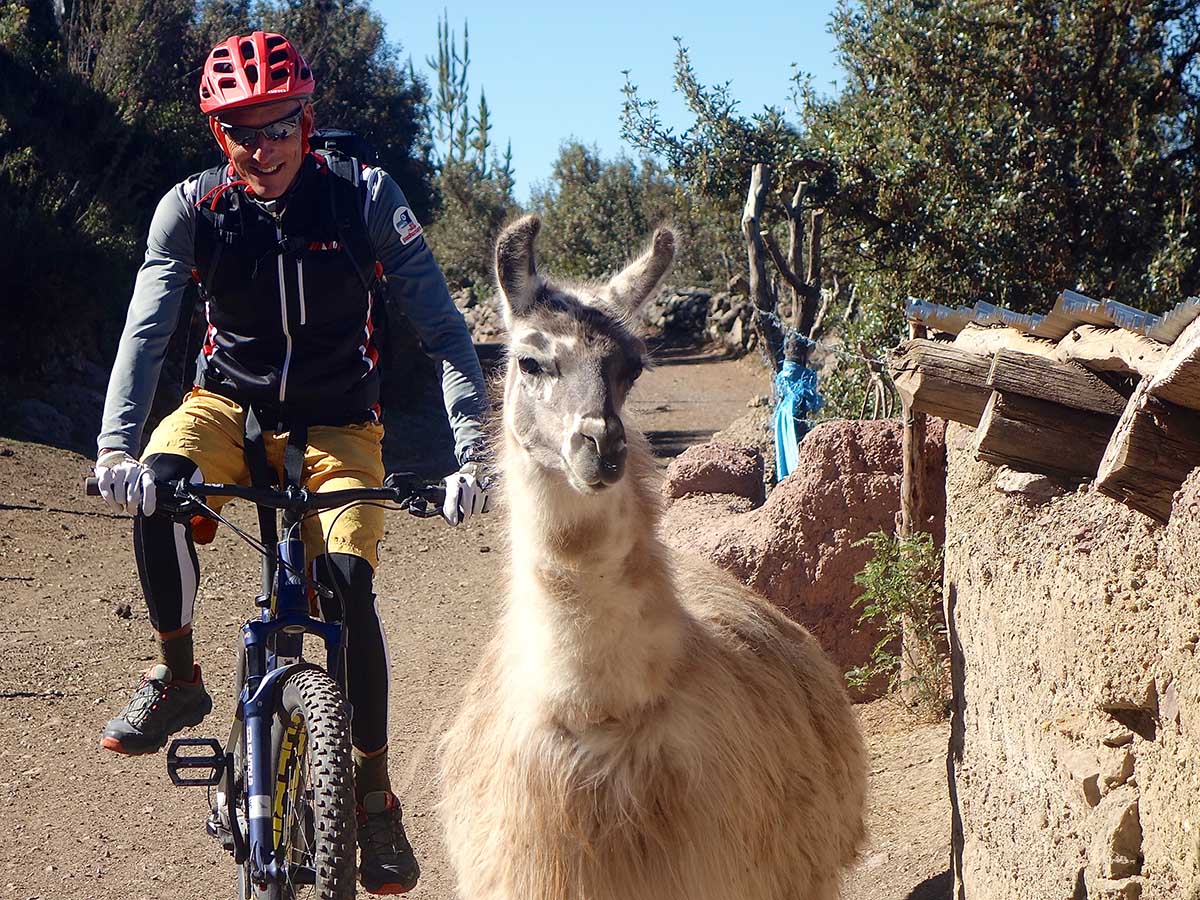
(642, 726)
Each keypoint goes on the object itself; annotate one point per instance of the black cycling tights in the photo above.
(170, 573)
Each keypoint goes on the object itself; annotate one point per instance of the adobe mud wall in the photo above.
(1075, 744)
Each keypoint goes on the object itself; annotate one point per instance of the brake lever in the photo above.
(419, 507)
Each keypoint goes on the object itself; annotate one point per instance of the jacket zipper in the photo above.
(300, 282)
(283, 314)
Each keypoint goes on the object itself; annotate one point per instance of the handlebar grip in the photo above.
(91, 487)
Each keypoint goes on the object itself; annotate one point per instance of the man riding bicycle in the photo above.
(290, 350)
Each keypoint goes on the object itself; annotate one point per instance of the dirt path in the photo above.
(80, 823)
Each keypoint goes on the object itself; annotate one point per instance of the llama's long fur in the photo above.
(642, 726)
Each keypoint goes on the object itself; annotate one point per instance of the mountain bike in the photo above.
(283, 804)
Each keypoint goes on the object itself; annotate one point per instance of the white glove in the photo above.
(465, 496)
(125, 484)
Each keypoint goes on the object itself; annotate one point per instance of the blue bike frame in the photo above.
(286, 619)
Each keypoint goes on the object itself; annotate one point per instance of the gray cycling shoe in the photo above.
(158, 708)
(388, 865)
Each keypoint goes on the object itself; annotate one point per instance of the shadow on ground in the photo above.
(936, 888)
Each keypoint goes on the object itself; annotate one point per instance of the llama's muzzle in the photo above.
(599, 451)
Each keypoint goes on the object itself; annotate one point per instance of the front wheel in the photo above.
(312, 799)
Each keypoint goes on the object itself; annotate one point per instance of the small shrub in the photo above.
(901, 597)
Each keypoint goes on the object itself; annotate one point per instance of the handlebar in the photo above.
(405, 490)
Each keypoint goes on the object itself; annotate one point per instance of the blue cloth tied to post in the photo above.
(796, 400)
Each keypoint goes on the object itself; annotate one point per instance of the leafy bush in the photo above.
(902, 598)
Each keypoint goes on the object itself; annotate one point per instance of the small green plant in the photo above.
(901, 593)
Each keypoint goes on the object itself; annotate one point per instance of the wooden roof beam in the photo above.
(1154, 448)
(941, 380)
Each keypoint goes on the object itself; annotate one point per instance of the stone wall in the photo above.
(1075, 744)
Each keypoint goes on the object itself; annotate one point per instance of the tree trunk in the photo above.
(1111, 350)
(760, 285)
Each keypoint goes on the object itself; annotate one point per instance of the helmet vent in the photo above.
(226, 83)
(274, 40)
(220, 53)
(225, 68)
(279, 73)
(276, 57)
(247, 50)
(252, 73)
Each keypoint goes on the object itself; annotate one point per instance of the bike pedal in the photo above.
(178, 763)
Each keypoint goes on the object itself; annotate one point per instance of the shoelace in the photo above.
(145, 700)
(379, 830)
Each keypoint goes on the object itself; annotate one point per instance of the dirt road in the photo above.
(76, 822)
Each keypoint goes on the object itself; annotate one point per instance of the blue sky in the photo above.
(552, 70)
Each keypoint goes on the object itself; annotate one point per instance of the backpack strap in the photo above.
(346, 204)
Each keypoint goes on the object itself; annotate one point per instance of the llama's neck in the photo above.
(593, 625)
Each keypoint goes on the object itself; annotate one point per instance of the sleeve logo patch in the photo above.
(406, 225)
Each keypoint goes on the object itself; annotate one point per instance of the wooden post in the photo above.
(912, 440)
(1154, 448)
(760, 285)
(941, 380)
(917, 652)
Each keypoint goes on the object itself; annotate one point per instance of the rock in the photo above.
(124, 611)
(37, 421)
(1030, 486)
(716, 469)
(1116, 850)
(798, 549)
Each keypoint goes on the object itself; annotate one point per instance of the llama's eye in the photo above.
(529, 365)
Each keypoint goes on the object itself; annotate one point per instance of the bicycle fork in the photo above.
(277, 636)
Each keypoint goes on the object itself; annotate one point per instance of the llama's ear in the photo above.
(516, 271)
(634, 285)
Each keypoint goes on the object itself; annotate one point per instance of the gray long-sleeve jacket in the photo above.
(415, 287)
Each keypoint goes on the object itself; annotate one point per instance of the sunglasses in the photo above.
(279, 130)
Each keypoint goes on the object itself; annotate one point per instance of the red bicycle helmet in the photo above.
(246, 71)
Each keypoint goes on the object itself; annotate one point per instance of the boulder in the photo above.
(717, 469)
(35, 420)
(799, 548)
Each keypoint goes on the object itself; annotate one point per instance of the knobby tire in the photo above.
(325, 789)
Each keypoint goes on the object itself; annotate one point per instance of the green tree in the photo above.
(474, 184)
(987, 152)
(362, 86)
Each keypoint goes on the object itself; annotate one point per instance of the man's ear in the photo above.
(220, 136)
(308, 121)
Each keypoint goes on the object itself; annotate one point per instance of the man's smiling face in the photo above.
(268, 167)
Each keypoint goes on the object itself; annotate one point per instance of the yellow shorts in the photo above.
(209, 430)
